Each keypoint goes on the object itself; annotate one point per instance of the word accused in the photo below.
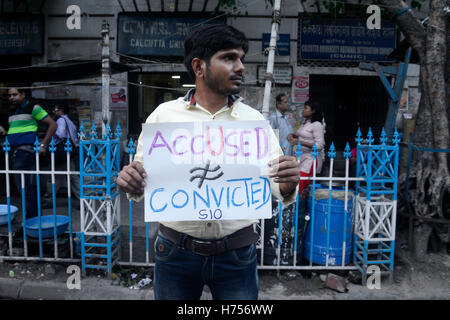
(215, 142)
(211, 201)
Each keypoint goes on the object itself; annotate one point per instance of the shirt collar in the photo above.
(279, 114)
(233, 102)
(25, 103)
(18, 108)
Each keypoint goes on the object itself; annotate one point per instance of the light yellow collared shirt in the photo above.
(180, 110)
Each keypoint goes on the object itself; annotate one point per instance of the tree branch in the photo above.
(410, 26)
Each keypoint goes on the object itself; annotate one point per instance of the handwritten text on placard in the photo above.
(207, 170)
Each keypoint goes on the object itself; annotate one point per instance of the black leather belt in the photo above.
(239, 239)
(24, 147)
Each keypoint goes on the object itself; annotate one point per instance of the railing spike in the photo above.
(6, 145)
(68, 146)
(359, 138)
(298, 150)
(370, 138)
(332, 151)
(52, 146)
(347, 151)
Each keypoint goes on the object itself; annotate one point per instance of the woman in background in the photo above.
(310, 132)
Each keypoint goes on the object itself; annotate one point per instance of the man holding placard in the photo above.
(207, 165)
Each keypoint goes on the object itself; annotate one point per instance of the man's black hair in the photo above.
(21, 88)
(279, 96)
(317, 110)
(63, 107)
(204, 41)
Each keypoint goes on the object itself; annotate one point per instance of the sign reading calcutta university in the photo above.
(156, 35)
(21, 34)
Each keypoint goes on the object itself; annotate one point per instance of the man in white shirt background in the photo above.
(279, 121)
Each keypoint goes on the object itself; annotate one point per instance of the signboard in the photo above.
(281, 74)
(84, 116)
(213, 170)
(283, 43)
(300, 89)
(345, 40)
(156, 35)
(118, 98)
(21, 34)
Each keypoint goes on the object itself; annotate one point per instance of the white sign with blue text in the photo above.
(215, 170)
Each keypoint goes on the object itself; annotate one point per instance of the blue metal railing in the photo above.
(297, 224)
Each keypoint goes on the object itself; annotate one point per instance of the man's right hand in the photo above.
(131, 178)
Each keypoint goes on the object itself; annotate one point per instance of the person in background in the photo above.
(22, 134)
(278, 121)
(309, 133)
(66, 129)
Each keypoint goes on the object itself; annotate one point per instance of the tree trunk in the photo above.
(429, 176)
(432, 128)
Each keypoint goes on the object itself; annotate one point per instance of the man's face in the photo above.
(58, 112)
(283, 105)
(225, 71)
(16, 97)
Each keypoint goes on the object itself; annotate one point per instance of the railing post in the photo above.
(406, 197)
(100, 205)
(377, 208)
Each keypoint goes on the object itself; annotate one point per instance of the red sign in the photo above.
(300, 89)
(116, 97)
(118, 100)
(302, 83)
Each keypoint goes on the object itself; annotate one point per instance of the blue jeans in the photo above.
(24, 160)
(181, 274)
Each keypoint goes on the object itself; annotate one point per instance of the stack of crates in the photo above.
(376, 205)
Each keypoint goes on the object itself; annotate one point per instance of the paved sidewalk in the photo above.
(413, 280)
(91, 289)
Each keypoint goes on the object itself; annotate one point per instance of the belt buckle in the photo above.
(201, 244)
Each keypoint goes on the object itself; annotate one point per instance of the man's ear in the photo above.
(198, 66)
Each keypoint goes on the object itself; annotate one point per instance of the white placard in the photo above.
(214, 170)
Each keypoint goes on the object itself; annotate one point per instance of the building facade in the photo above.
(317, 58)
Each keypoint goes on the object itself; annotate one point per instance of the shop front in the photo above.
(156, 42)
(328, 62)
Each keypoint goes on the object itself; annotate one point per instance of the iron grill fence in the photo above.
(342, 221)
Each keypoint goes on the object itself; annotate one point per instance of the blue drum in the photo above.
(338, 222)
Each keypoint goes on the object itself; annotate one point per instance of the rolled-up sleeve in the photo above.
(318, 135)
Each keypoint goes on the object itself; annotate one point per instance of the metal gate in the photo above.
(341, 222)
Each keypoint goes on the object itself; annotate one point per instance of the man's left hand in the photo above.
(286, 171)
